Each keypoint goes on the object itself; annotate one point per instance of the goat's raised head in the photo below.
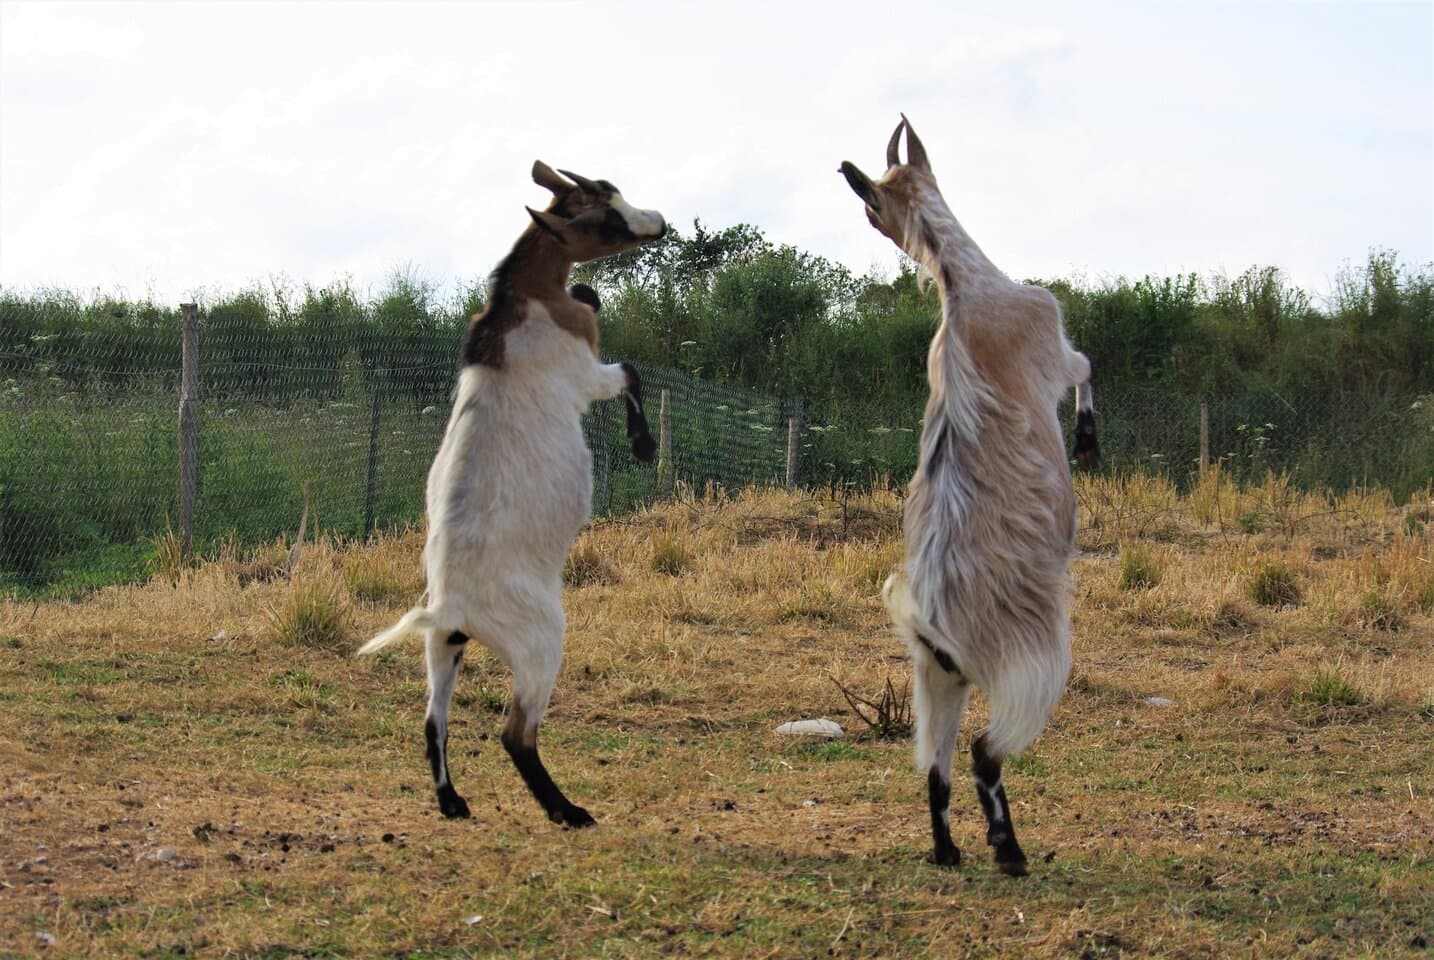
(892, 200)
(589, 218)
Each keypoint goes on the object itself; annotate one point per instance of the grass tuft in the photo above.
(169, 559)
(586, 567)
(669, 553)
(1273, 584)
(374, 577)
(1329, 687)
(1139, 568)
(312, 612)
(1379, 608)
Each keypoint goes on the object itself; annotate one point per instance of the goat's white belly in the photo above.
(506, 498)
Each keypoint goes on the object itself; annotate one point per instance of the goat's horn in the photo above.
(893, 159)
(546, 176)
(549, 223)
(915, 152)
(587, 185)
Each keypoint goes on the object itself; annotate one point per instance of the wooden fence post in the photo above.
(794, 448)
(1204, 437)
(665, 479)
(371, 481)
(602, 470)
(188, 425)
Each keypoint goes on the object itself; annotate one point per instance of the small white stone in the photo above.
(46, 939)
(1158, 702)
(823, 727)
(474, 920)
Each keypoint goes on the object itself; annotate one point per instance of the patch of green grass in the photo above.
(1380, 608)
(302, 689)
(1328, 687)
(828, 751)
(1139, 568)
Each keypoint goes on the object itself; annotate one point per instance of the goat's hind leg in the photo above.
(535, 669)
(940, 698)
(444, 653)
(1000, 832)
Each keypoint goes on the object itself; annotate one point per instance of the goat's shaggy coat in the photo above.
(511, 485)
(990, 519)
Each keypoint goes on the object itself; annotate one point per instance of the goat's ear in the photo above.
(546, 176)
(550, 224)
(861, 184)
(915, 152)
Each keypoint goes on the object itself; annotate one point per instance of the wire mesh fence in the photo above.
(91, 464)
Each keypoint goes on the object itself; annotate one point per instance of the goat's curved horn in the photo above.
(546, 176)
(915, 152)
(893, 159)
(549, 223)
(587, 185)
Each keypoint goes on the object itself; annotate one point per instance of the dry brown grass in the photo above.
(175, 781)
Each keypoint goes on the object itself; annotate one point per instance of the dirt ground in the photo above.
(199, 766)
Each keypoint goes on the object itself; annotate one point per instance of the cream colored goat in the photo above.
(990, 519)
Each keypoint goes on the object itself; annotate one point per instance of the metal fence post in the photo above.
(665, 478)
(1204, 437)
(188, 425)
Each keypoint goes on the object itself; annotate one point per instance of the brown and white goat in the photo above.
(990, 519)
(512, 483)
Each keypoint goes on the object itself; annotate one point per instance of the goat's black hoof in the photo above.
(945, 857)
(1013, 868)
(452, 805)
(644, 448)
(573, 816)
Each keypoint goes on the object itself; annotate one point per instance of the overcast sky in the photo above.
(182, 148)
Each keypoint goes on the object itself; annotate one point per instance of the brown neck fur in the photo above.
(537, 269)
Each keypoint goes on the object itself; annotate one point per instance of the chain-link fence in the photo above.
(92, 470)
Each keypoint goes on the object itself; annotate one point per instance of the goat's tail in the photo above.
(910, 625)
(414, 621)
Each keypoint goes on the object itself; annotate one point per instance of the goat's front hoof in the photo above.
(1013, 868)
(573, 816)
(644, 448)
(945, 857)
(451, 804)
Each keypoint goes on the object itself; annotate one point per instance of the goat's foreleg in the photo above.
(644, 447)
(622, 378)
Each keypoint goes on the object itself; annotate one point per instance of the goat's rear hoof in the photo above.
(571, 815)
(644, 448)
(1013, 868)
(574, 816)
(451, 804)
(945, 857)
